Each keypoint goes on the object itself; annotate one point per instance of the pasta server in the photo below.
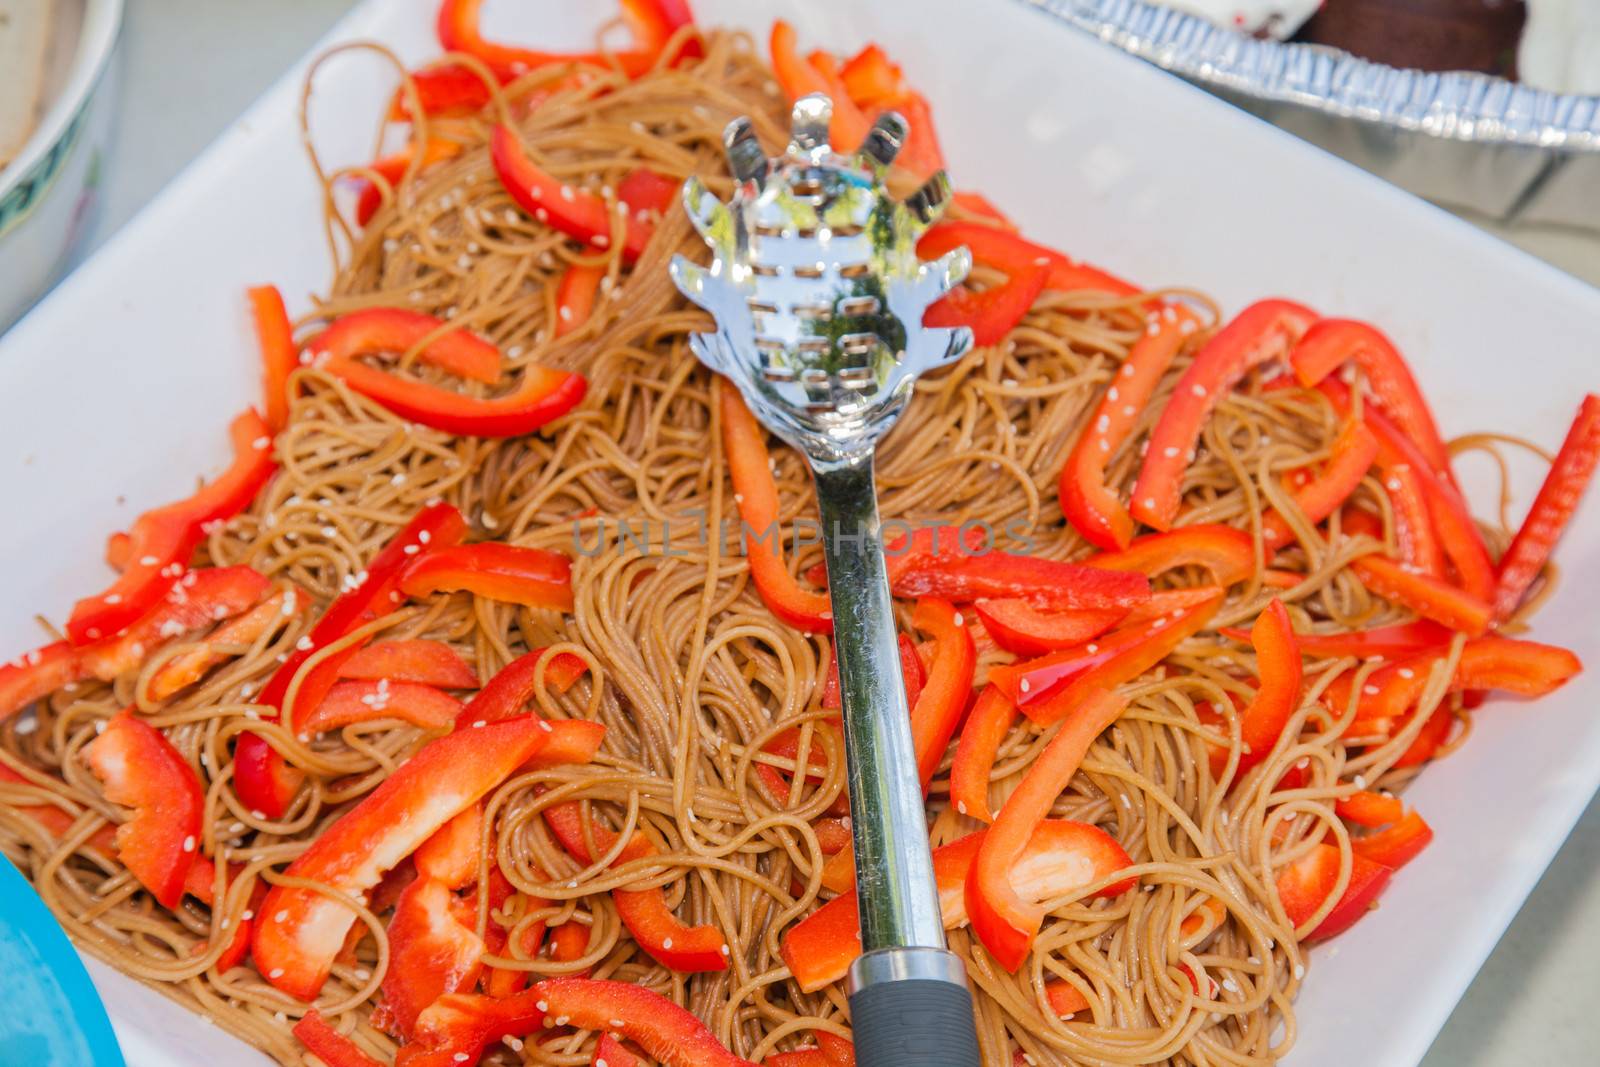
(818, 296)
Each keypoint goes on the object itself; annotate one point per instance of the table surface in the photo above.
(1531, 1003)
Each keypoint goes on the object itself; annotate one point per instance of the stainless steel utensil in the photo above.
(818, 296)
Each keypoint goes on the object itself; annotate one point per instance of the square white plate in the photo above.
(116, 390)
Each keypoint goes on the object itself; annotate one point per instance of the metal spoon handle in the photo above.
(908, 995)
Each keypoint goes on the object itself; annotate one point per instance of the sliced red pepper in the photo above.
(1008, 252)
(1088, 503)
(348, 703)
(457, 27)
(198, 599)
(799, 78)
(1435, 732)
(744, 443)
(571, 741)
(162, 541)
(1044, 583)
(578, 213)
(186, 668)
(1401, 639)
(1153, 643)
(1526, 668)
(992, 313)
(1278, 661)
(1060, 856)
(276, 338)
(1458, 535)
(1349, 459)
(1432, 598)
(941, 701)
(263, 780)
(304, 930)
(507, 692)
(1305, 885)
(920, 155)
(833, 835)
(568, 942)
(653, 22)
(643, 190)
(1331, 343)
(457, 1028)
(1064, 998)
(515, 574)
(119, 546)
(142, 770)
(1019, 627)
(1396, 846)
(988, 723)
(420, 661)
(1413, 525)
(1367, 808)
(392, 168)
(431, 952)
(37, 674)
(328, 1044)
(661, 934)
(1261, 332)
(575, 296)
(450, 857)
(448, 89)
(1227, 553)
(609, 1052)
(394, 330)
(871, 78)
(1001, 918)
(1552, 509)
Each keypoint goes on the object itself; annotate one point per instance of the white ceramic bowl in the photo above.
(48, 192)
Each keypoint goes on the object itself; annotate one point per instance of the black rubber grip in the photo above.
(914, 1022)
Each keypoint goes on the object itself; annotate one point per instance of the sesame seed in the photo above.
(461, 1057)
(1407, 672)
(276, 972)
(188, 843)
(1299, 971)
(261, 443)
(113, 598)
(1197, 389)
(304, 644)
(1025, 685)
(1149, 501)
(666, 942)
(411, 550)
(1091, 649)
(542, 1005)
(1170, 452)
(1371, 690)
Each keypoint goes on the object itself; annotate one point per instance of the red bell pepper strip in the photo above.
(303, 930)
(941, 701)
(1001, 918)
(348, 703)
(643, 190)
(1017, 626)
(833, 835)
(1552, 509)
(799, 78)
(1044, 583)
(201, 884)
(1367, 808)
(1059, 857)
(420, 661)
(328, 1044)
(276, 338)
(1305, 885)
(580, 214)
(870, 77)
(1227, 553)
(199, 599)
(381, 330)
(142, 770)
(568, 942)
(1087, 502)
(163, 540)
(119, 547)
(186, 668)
(37, 674)
(920, 156)
(653, 22)
(1452, 521)
(1349, 459)
(456, 1029)
(1432, 598)
(448, 89)
(992, 313)
(392, 168)
(507, 692)
(1278, 661)
(266, 783)
(535, 577)
(1261, 332)
(1435, 732)
(988, 723)
(1396, 846)
(662, 935)
(1064, 998)
(1330, 343)
(1401, 639)
(609, 1052)
(1153, 643)
(744, 443)
(431, 952)
(998, 248)
(450, 857)
(457, 27)
(1413, 525)
(1526, 668)
(575, 296)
